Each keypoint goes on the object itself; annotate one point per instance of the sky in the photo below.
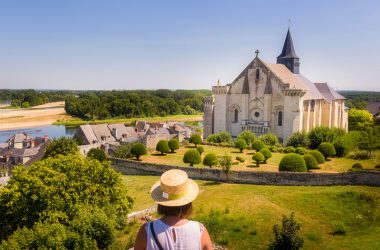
(98, 44)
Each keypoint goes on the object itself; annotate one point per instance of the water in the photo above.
(51, 131)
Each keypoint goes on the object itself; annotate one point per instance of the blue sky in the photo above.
(97, 44)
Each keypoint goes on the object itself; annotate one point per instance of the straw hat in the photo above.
(174, 189)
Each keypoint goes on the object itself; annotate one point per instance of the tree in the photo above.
(162, 147)
(293, 162)
(287, 236)
(248, 136)
(63, 190)
(173, 145)
(298, 139)
(138, 149)
(61, 146)
(266, 153)
(359, 119)
(97, 154)
(241, 144)
(311, 162)
(269, 139)
(210, 160)
(226, 164)
(258, 145)
(200, 149)
(196, 139)
(327, 149)
(369, 139)
(258, 157)
(124, 151)
(192, 156)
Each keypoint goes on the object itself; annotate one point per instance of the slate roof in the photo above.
(88, 133)
(102, 133)
(373, 108)
(328, 93)
(123, 131)
(288, 49)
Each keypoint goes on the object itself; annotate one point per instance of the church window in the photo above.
(279, 118)
(257, 74)
(236, 115)
(257, 114)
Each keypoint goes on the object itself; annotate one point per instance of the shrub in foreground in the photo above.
(192, 157)
(61, 146)
(196, 139)
(287, 235)
(173, 145)
(266, 153)
(318, 156)
(311, 162)
(327, 149)
(138, 149)
(97, 154)
(293, 162)
(210, 160)
(162, 147)
(241, 144)
(258, 157)
(258, 145)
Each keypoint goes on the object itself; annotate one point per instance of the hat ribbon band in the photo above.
(172, 196)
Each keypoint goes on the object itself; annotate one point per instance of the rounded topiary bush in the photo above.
(311, 162)
(192, 157)
(318, 156)
(258, 145)
(357, 166)
(138, 149)
(266, 153)
(293, 162)
(289, 149)
(173, 145)
(97, 154)
(162, 147)
(200, 149)
(258, 157)
(210, 160)
(196, 139)
(241, 144)
(327, 149)
(300, 151)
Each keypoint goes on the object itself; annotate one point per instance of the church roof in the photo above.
(328, 93)
(288, 49)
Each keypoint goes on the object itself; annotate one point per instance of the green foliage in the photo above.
(359, 155)
(318, 135)
(369, 139)
(124, 151)
(300, 150)
(359, 119)
(61, 146)
(225, 162)
(248, 136)
(240, 158)
(289, 149)
(196, 139)
(97, 154)
(61, 200)
(339, 229)
(273, 148)
(293, 162)
(192, 157)
(287, 235)
(241, 144)
(340, 146)
(266, 153)
(258, 145)
(210, 160)
(258, 157)
(173, 145)
(298, 139)
(220, 137)
(311, 162)
(28, 98)
(269, 139)
(162, 147)
(357, 166)
(200, 149)
(318, 156)
(327, 149)
(138, 149)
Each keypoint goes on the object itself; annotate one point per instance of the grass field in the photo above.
(334, 165)
(242, 216)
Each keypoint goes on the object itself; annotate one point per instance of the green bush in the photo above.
(124, 151)
(248, 136)
(240, 159)
(192, 157)
(200, 149)
(173, 145)
(327, 149)
(258, 145)
(359, 155)
(357, 165)
(318, 135)
(289, 149)
(241, 144)
(97, 154)
(287, 236)
(298, 139)
(300, 151)
(293, 162)
(162, 147)
(340, 146)
(266, 153)
(339, 229)
(258, 157)
(219, 137)
(210, 160)
(311, 162)
(318, 156)
(196, 139)
(273, 149)
(269, 139)
(61, 146)
(138, 149)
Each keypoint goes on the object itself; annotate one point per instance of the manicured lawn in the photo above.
(333, 165)
(242, 216)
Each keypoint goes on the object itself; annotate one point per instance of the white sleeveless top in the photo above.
(187, 236)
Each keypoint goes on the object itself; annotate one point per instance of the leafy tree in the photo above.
(61, 146)
(248, 136)
(269, 139)
(266, 153)
(210, 160)
(97, 154)
(311, 162)
(138, 149)
(196, 139)
(241, 144)
(173, 145)
(287, 235)
(226, 164)
(359, 119)
(327, 149)
(318, 156)
(258, 145)
(293, 162)
(162, 147)
(200, 149)
(192, 157)
(298, 139)
(258, 157)
(370, 139)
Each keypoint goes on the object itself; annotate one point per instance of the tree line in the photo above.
(360, 99)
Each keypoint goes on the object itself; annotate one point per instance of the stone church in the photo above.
(273, 98)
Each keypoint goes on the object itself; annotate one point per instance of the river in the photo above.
(51, 131)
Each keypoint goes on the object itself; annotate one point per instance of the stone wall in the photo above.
(368, 178)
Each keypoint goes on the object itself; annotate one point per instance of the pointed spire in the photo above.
(288, 49)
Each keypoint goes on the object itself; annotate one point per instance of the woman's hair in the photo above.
(181, 211)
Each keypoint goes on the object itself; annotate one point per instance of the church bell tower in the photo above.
(288, 56)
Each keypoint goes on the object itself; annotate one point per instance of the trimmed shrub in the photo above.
(293, 162)
(200, 149)
(192, 157)
(173, 145)
(258, 157)
(210, 160)
(219, 137)
(240, 158)
(327, 149)
(162, 147)
(300, 151)
(241, 144)
(258, 145)
(248, 136)
(273, 149)
(359, 155)
(298, 139)
(196, 139)
(266, 153)
(357, 166)
(318, 156)
(269, 139)
(97, 154)
(311, 162)
(138, 149)
(289, 149)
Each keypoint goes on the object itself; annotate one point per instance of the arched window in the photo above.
(279, 118)
(257, 74)
(236, 115)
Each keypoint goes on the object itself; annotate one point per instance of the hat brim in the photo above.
(191, 194)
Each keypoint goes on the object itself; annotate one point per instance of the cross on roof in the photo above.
(257, 52)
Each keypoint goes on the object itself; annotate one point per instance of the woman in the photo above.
(173, 194)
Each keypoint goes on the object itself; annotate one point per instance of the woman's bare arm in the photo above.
(206, 240)
(140, 243)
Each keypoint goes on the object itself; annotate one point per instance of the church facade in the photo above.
(273, 98)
